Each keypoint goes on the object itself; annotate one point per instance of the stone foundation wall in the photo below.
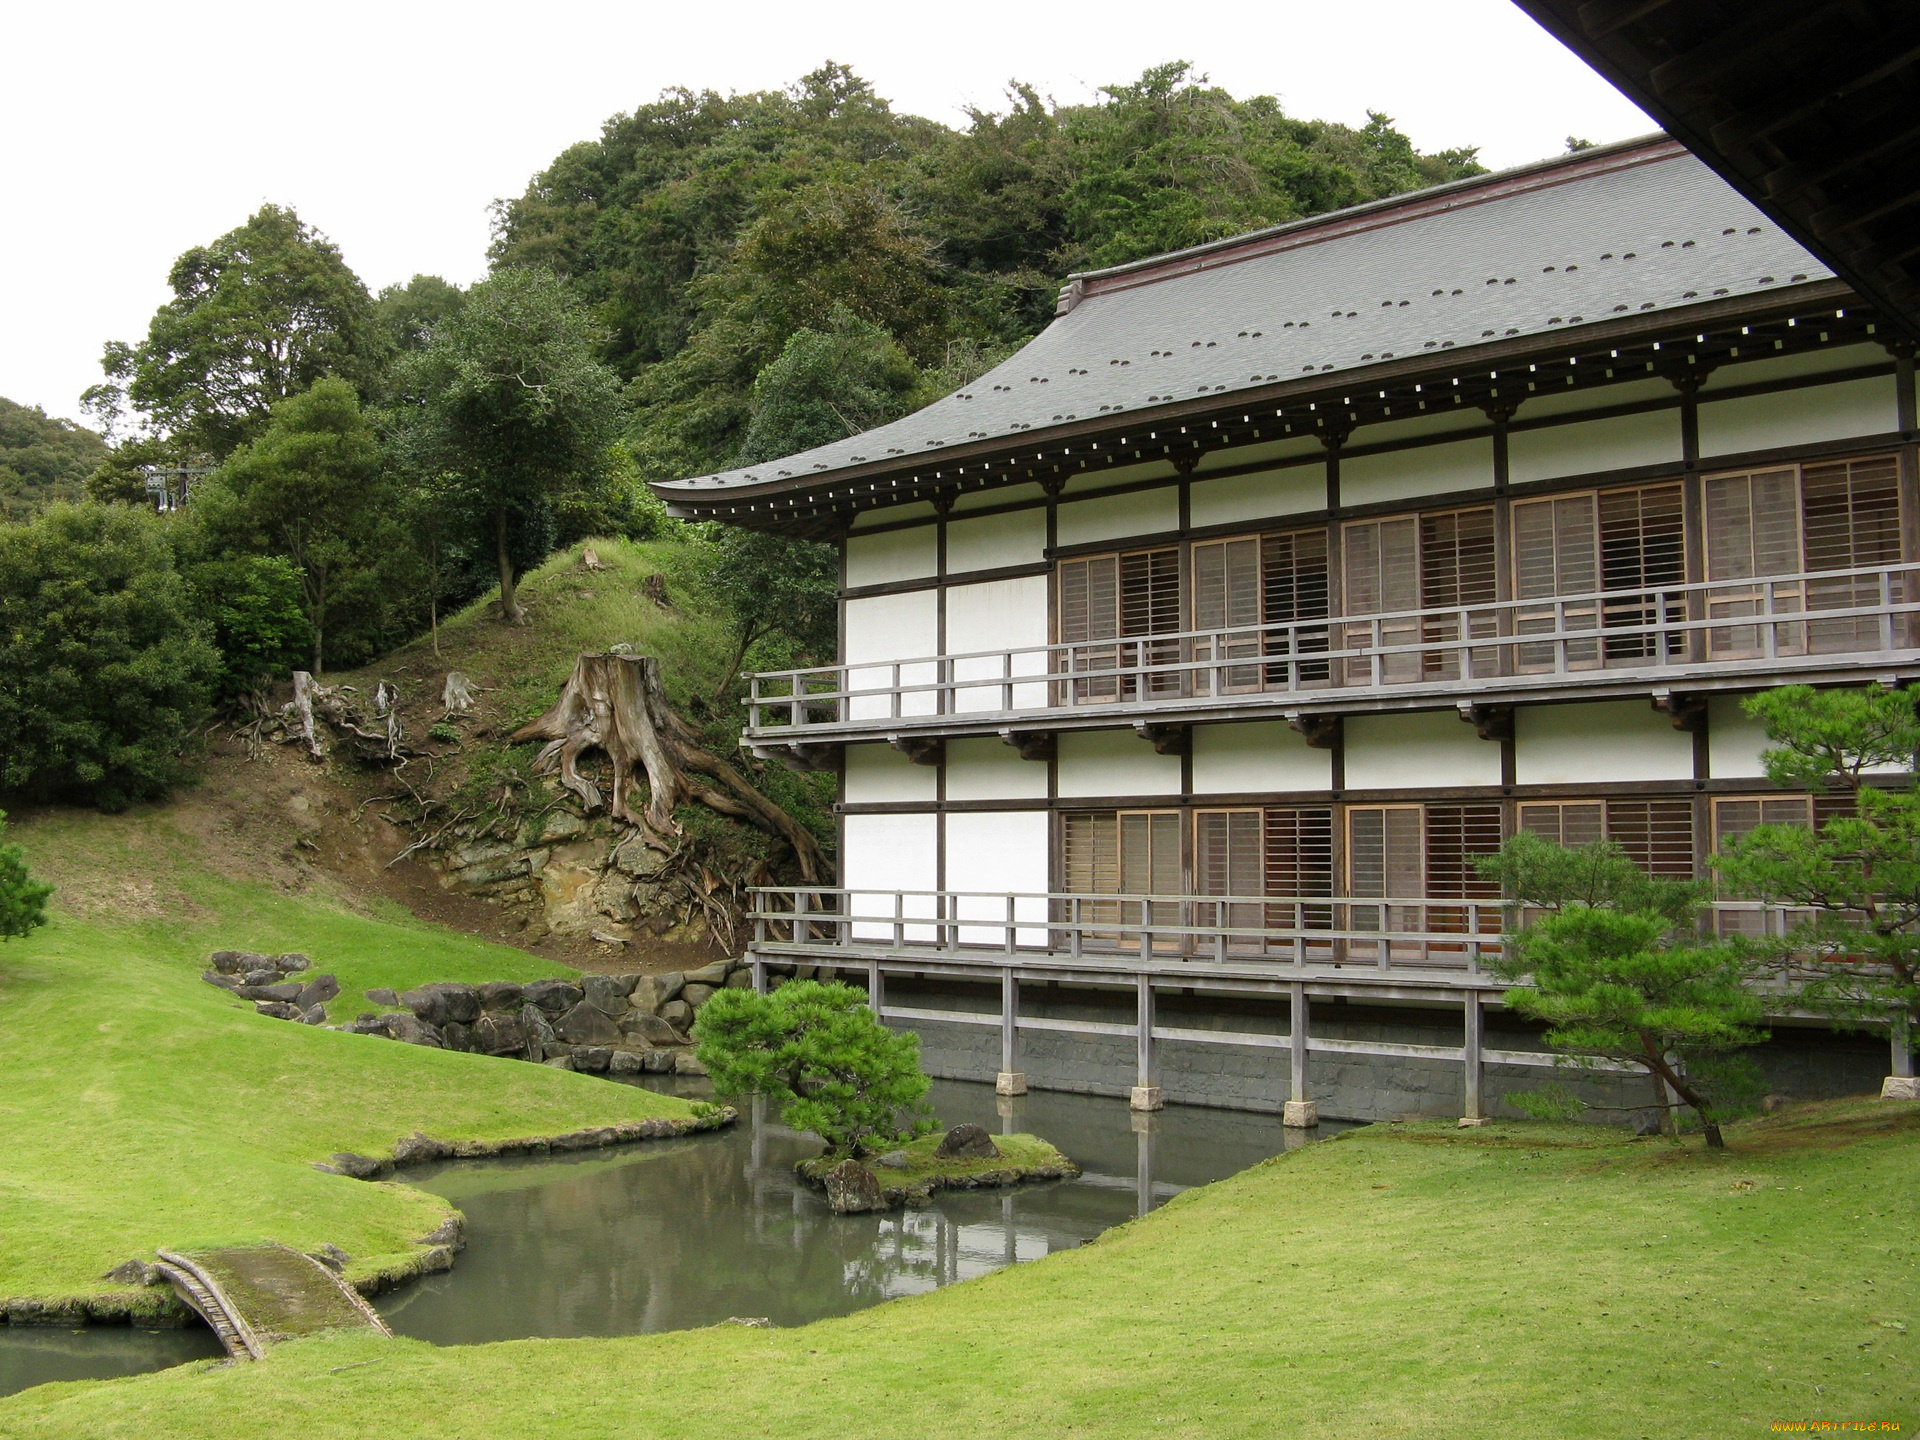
(1800, 1062)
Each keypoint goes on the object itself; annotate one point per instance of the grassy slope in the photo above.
(142, 1107)
(1407, 1281)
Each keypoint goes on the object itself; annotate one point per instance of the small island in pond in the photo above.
(965, 1158)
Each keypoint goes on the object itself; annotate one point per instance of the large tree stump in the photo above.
(617, 704)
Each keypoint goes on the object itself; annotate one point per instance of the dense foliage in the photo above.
(42, 459)
(1615, 967)
(105, 664)
(23, 899)
(706, 230)
(1858, 872)
(818, 1051)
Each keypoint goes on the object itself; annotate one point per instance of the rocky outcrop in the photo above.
(601, 1024)
(966, 1142)
(853, 1189)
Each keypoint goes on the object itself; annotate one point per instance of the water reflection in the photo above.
(30, 1355)
(688, 1233)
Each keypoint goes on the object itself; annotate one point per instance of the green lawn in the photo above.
(1402, 1281)
(143, 1108)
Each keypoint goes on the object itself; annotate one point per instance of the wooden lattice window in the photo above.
(1106, 608)
(1625, 543)
(1245, 584)
(1656, 834)
(1441, 562)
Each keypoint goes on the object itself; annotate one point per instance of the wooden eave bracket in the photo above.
(803, 758)
(1166, 739)
(920, 749)
(1322, 732)
(1031, 744)
(1688, 712)
(1489, 722)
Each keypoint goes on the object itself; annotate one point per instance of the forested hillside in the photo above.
(714, 278)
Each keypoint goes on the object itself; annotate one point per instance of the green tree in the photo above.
(42, 459)
(23, 900)
(819, 1052)
(311, 488)
(254, 604)
(256, 317)
(1859, 871)
(1616, 969)
(509, 400)
(105, 666)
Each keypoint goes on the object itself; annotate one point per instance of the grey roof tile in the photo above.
(1642, 226)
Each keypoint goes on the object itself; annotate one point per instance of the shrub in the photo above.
(819, 1051)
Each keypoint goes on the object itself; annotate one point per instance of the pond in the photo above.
(683, 1233)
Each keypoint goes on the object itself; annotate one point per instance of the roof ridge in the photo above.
(1372, 214)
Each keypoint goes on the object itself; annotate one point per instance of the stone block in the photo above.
(1010, 1082)
(499, 1035)
(685, 1062)
(554, 996)
(595, 1059)
(586, 1024)
(1300, 1115)
(1900, 1087)
(697, 995)
(626, 1062)
(605, 994)
(1146, 1097)
(714, 974)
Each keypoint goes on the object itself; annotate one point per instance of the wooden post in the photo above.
(1010, 1081)
(1301, 1113)
(759, 968)
(874, 996)
(1146, 1091)
(1472, 1045)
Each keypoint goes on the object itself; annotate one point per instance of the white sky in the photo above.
(135, 130)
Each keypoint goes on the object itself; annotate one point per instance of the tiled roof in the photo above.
(1611, 232)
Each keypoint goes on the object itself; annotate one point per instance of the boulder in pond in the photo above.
(853, 1189)
(560, 1062)
(594, 1059)
(360, 1167)
(554, 996)
(658, 1062)
(685, 1062)
(626, 1062)
(585, 1024)
(966, 1142)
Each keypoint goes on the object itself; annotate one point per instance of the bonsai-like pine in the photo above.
(818, 1050)
(1616, 969)
(1859, 871)
(23, 899)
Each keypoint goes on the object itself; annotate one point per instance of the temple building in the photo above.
(1189, 657)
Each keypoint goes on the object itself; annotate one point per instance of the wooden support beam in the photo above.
(1147, 1094)
(1301, 1113)
(1490, 722)
(1166, 739)
(920, 749)
(1031, 744)
(1322, 732)
(1688, 712)
(1473, 1039)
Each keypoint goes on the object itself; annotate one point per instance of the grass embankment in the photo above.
(1407, 1281)
(1021, 1157)
(142, 1107)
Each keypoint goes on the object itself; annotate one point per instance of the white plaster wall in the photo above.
(1118, 517)
(998, 495)
(1236, 457)
(988, 769)
(1096, 763)
(1257, 756)
(891, 627)
(1007, 616)
(1105, 478)
(880, 854)
(1018, 537)
(1603, 741)
(995, 855)
(1798, 417)
(892, 555)
(1788, 367)
(1417, 751)
(893, 515)
(1407, 474)
(1619, 392)
(1586, 446)
(881, 775)
(1421, 427)
(1734, 740)
(1265, 496)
